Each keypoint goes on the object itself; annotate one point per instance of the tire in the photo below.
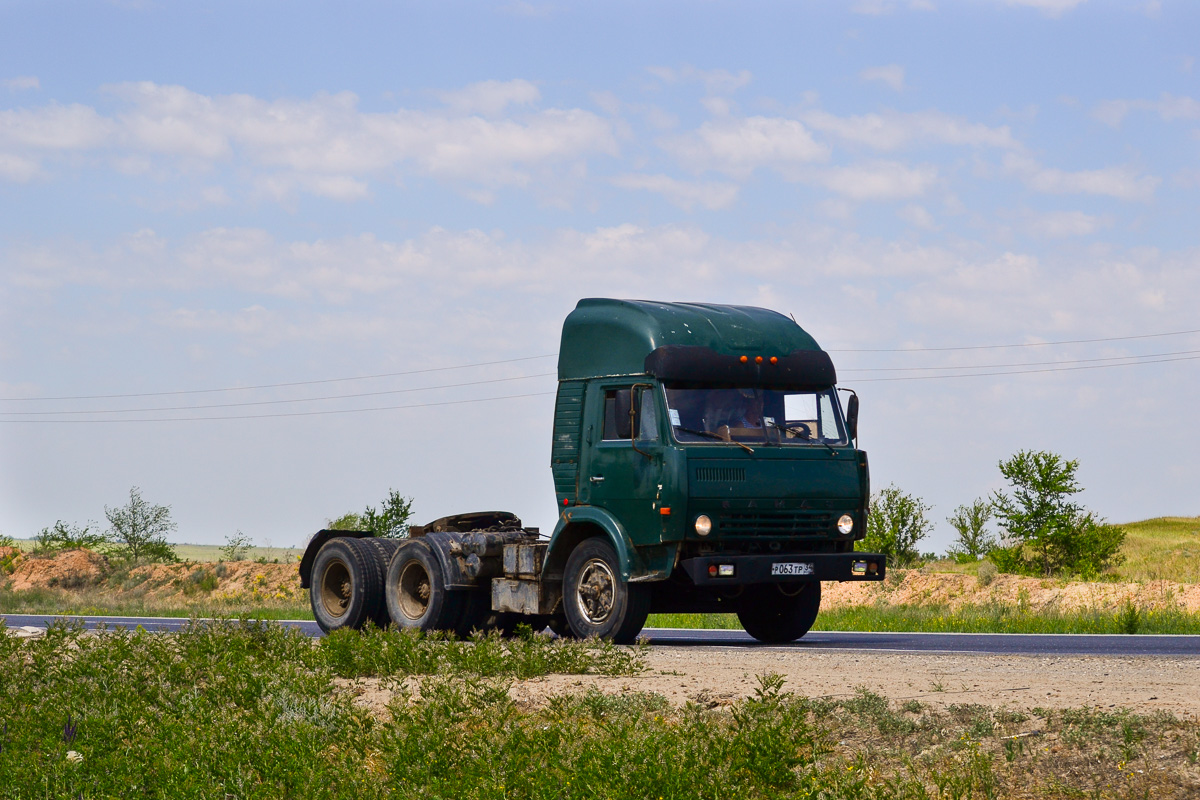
(383, 550)
(347, 584)
(596, 601)
(416, 591)
(776, 613)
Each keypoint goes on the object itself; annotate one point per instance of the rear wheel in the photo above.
(416, 591)
(596, 601)
(776, 613)
(347, 584)
(383, 550)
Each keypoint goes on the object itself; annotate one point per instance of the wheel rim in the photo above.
(336, 589)
(414, 590)
(596, 591)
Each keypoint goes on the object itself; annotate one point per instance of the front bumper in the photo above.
(726, 570)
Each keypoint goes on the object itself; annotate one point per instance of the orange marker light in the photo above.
(758, 359)
(744, 359)
(774, 360)
(665, 511)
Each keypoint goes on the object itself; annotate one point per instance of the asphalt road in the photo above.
(984, 643)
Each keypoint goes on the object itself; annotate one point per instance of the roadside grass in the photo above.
(104, 601)
(999, 618)
(253, 711)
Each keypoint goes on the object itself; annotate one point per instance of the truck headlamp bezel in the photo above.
(845, 524)
(703, 525)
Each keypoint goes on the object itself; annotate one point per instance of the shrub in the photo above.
(896, 523)
(974, 539)
(236, 546)
(987, 573)
(67, 537)
(1047, 532)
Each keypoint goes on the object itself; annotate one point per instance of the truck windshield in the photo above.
(751, 414)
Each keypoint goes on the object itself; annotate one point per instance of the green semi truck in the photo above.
(702, 463)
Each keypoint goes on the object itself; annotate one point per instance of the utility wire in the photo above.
(281, 385)
(294, 413)
(1020, 363)
(275, 402)
(1001, 346)
(1022, 371)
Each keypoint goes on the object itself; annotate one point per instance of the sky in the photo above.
(266, 261)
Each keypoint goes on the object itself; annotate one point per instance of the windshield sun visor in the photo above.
(696, 364)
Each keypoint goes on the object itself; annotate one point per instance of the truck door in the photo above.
(623, 469)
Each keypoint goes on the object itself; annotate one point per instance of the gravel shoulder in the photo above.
(716, 676)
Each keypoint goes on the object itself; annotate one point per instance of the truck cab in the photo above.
(707, 445)
(702, 463)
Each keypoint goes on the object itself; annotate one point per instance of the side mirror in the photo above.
(852, 416)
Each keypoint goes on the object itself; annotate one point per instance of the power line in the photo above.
(275, 402)
(1019, 364)
(289, 413)
(282, 385)
(1001, 346)
(1023, 371)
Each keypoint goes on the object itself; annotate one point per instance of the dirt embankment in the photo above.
(87, 571)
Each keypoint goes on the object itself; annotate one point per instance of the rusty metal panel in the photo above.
(524, 597)
(524, 560)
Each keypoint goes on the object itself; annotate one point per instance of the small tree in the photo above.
(1046, 531)
(974, 539)
(236, 546)
(140, 530)
(346, 522)
(896, 523)
(389, 522)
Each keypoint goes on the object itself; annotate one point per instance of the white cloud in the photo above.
(892, 75)
(490, 98)
(685, 194)
(917, 216)
(22, 83)
(1123, 183)
(738, 147)
(883, 180)
(15, 168)
(54, 127)
(892, 130)
(1061, 224)
(1169, 107)
(716, 81)
(324, 144)
(1051, 8)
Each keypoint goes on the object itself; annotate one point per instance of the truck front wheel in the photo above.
(777, 613)
(597, 602)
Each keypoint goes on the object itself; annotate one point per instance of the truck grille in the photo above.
(722, 474)
(774, 523)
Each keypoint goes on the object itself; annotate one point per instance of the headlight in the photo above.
(845, 524)
(703, 525)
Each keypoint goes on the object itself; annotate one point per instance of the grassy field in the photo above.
(255, 712)
(1164, 548)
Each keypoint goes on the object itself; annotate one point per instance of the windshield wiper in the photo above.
(711, 435)
(804, 434)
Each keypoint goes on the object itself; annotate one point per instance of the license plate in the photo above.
(792, 568)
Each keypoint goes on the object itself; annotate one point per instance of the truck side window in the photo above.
(647, 417)
(616, 414)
